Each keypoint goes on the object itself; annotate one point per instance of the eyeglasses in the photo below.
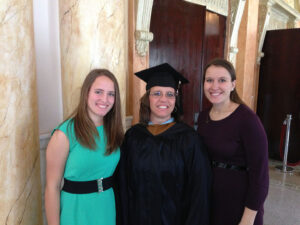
(158, 94)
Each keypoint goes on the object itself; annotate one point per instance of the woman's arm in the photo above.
(256, 148)
(198, 187)
(248, 217)
(56, 156)
(123, 185)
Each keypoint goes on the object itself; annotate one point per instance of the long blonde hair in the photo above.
(84, 128)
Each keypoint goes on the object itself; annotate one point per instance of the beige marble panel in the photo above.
(246, 57)
(20, 188)
(93, 34)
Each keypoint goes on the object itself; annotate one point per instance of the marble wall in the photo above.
(20, 188)
(92, 35)
(246, 57)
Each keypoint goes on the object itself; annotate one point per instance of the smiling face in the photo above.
(218, 85)
(101, 99)
(161, 106)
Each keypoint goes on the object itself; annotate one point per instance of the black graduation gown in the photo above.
(164, 179)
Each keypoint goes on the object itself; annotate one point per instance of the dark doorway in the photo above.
(184, 38)
(279, 89)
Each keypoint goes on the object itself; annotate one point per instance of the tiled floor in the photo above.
(282, 206)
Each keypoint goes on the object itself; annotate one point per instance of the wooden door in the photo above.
(214, 43)
(279, 89)
(179, 37)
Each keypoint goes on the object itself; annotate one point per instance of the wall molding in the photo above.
(217, 6)
(142, 34)
(236, 12)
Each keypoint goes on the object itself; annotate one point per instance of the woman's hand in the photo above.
(248, 217)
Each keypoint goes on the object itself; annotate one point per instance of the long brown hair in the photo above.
(219, 62)
(85, 130)
(145, 110)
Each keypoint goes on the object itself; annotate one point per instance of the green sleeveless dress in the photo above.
(84, 165)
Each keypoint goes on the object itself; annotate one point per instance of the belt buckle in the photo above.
(100, 185)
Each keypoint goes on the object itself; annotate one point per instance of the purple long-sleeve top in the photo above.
(238, 139)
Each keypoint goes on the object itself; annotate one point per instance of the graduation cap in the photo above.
(162, 75)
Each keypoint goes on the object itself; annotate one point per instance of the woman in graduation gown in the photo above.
(164, 171)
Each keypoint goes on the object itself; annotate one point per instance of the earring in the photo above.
(175, 109)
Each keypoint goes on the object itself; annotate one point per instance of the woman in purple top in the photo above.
(237, 145)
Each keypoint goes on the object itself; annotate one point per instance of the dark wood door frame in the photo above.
(187, 36)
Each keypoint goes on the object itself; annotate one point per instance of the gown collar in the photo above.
(171, 120)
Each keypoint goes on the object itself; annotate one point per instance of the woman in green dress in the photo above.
(84, 152)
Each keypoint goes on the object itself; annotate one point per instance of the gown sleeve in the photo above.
(198, 186)
(256, 147)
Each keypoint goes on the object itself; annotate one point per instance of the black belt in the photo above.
(85, 187)
(229, 166)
